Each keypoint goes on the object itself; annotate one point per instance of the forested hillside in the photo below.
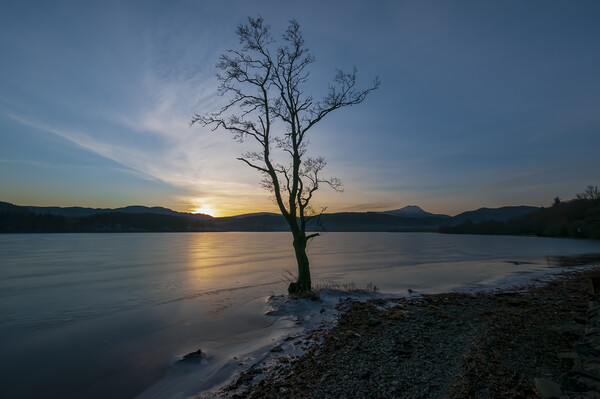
(577, 218)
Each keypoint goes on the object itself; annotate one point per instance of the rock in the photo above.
(580, 382)
(570, 359)
(396, 314)
(277, 348)
(547, 389)
(567, 355)
(193, 356)
(374, 322)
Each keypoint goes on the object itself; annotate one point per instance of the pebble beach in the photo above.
(541, 340)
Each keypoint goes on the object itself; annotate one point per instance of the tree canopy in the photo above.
(264, 86)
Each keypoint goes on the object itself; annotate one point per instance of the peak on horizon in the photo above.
(411, 211)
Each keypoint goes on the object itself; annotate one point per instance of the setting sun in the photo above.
(207, 210)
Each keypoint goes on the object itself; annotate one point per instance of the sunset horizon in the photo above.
(216, 212)
(270, 199)
(479, 106)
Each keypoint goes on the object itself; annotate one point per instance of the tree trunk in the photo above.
(303, 284)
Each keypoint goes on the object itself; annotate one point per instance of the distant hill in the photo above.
(412, 211)
(252, 222)
(498, 214)
(568, 219)
(578, 218)
(77, 211)
(374, 221)
(412, 218)
(20, 219)
(142, 222)
(7, 207)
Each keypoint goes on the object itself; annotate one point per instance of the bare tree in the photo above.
(590, 193)
(266, 103)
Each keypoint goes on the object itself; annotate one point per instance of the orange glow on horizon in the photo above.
(223, 208)
(205, 209)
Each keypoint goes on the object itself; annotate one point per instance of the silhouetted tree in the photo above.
(266, 103)
(590, 193)
(556, 201)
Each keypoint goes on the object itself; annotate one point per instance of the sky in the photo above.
(482, 104)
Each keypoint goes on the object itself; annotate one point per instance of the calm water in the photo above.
(103, 315)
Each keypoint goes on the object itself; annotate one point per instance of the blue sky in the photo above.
(481, 103)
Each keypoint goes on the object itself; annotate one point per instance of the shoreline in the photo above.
(533, 341)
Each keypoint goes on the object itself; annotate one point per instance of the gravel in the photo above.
(526, 343)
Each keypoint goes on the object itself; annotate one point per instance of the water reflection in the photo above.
(218, 262)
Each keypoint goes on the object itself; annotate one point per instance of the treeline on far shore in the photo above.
(577, 218)
(16, 219)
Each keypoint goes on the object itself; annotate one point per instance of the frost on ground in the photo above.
(221, 369)
(307, 322)
(299, 324)
(540, 340)
(233, 366)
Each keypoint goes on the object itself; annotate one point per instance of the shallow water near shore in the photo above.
(107, 315)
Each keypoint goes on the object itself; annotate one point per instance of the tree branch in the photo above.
(253, 165)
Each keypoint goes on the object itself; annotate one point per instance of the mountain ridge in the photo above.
(577, 218)
(409, 211)
(497, 214)
(143, 218)
(412, 211)
(78, 211)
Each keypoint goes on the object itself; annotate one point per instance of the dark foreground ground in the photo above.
(538, 342)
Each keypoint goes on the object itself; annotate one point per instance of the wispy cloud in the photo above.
(502, 118)
(195, 159)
